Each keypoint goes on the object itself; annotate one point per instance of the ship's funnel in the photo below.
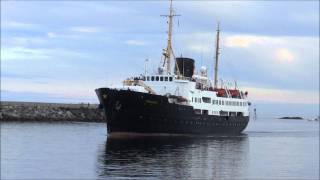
(185, 65)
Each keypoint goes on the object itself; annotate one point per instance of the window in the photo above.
(197, 111)
(166, 78)
(170, 78)
(206, 99)
(161, 78)
(152, 78)
(237, 103)
(157, 78)
(205, 112)
(222, 102)
(192, 99)
(219, 102)
(148, 78)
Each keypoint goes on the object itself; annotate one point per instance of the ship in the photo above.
(176, 99)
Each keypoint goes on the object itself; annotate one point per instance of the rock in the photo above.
(69, 114)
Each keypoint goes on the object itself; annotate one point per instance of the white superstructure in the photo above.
(193, 92)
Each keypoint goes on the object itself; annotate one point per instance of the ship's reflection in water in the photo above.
(168, 157)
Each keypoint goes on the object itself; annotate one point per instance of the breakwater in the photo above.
(32, 111)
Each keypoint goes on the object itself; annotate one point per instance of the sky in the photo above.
(60, 51)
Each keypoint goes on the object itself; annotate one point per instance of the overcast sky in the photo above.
(61, 51)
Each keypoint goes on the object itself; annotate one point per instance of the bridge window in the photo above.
(197, 111)
(148, 78)
(170, 78)
(166, 78)
(157, 78)
(206, 99)
(152, 78)
(161, 78)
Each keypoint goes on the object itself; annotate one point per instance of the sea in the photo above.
(267, 149)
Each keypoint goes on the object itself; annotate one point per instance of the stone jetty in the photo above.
(31, 111)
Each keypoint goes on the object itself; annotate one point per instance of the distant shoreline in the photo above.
(50, 112)
(292, 117)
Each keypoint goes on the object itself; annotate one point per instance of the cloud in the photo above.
(258, 59)
(136, 42)
(85, 29)
(243, 41)
(24, 41)
(254, 17)
(61, 88)
(282, 95)
(19, 25)
(284, 55)
(53, 35)
(76, 90)
(23, 53)
(253, 50)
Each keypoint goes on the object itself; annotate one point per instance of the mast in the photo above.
(169, 50)
(217, 57)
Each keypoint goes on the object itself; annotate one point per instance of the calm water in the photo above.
(268, 149)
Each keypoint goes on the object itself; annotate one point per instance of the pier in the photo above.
(35, 111)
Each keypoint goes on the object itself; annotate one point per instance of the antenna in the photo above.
(216, 57)
(169, 50)
(145, 66)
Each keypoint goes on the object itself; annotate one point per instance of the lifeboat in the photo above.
(220, 92)
(235, 93)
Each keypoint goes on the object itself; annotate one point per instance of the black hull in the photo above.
(135, 112)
